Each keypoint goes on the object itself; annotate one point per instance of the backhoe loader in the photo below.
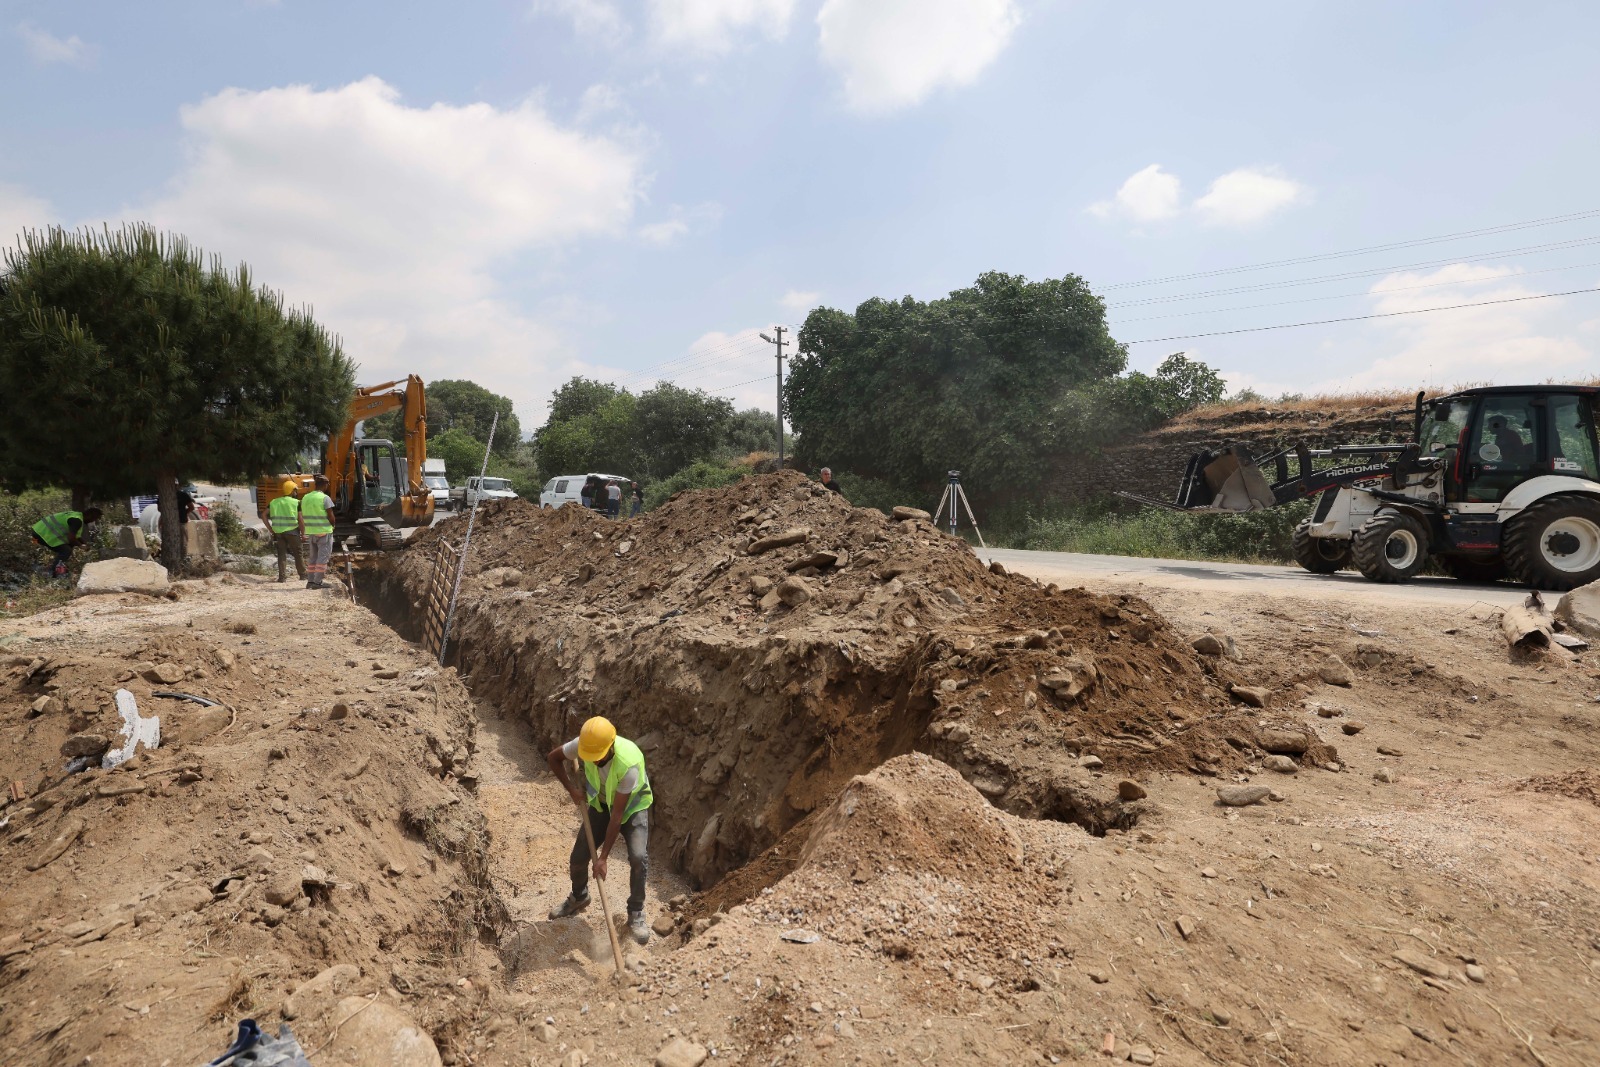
(373, 497)
(1496, 482)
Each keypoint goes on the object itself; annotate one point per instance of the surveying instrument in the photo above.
(954, 494)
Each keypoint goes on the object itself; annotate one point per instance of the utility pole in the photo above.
(779, 342)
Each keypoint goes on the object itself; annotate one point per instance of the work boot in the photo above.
(570, 907)
(637, 927)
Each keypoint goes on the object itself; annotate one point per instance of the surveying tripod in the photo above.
(953, 494)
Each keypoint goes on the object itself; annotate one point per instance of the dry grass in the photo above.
(1331, 405)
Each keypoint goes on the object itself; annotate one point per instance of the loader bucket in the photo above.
(1226, 480)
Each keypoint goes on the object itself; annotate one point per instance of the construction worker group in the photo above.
(302, 527)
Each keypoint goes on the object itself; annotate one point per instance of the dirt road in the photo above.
(1134, 573)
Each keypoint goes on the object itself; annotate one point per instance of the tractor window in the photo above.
(1572, 436)
(1504, 447)
(1442, 428)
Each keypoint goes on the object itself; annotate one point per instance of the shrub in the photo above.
(701, 474)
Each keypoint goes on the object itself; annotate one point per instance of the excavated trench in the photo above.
(754, 714)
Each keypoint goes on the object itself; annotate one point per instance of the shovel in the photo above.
(605, 909)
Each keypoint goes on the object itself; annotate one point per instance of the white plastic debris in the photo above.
(136, 730)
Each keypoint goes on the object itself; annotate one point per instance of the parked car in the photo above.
(568, 489)
(478, 489)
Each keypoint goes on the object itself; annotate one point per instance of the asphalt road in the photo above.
(1073, 568)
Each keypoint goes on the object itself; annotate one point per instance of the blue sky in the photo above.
(520, 192)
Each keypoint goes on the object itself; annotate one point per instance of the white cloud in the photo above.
(598, 101)
(20, 210)
(599, 19)
(895, 53)
(1503, 343)
(797, 301)
(391, 220)
(1247, 196)
(663, 233)
(46, 47)
(711, 26)
(1149, 195)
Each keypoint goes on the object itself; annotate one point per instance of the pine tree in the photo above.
(127, 360)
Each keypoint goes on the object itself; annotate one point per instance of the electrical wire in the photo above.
(1360, 318)
(1548, 220)
(1577, 242)
(1364, 292)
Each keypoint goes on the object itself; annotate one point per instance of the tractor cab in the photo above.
(1492, 440)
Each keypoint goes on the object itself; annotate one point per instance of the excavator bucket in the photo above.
(1227, 480)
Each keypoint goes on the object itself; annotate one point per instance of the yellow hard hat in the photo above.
(287, 488)
(594, 740)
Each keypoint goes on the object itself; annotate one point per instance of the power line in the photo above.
(1364, 292)
(1359, 318)
(1549, 220)
(1576, 242)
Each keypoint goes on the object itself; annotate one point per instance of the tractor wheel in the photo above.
(1555, 543)
(1390, 547)
(1475, 570)
(1319, 555)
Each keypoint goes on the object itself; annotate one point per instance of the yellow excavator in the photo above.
(373, 497)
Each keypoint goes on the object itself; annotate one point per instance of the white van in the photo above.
(568, 489)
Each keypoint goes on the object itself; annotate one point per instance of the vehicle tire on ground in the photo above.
(1555, 543)
(1475, 570)
(1319, 555)
(1390, 547)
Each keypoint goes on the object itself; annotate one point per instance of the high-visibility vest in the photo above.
(625, 755)
(314, 510)
(53, 529)
(283, 514)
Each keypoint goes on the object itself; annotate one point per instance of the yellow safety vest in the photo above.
(53, 529)
(283, 514)
(625, 755)
(314, 510)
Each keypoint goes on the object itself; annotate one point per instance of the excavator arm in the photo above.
(416, 502)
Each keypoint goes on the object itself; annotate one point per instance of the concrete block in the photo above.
(130, 543)
(200, 539)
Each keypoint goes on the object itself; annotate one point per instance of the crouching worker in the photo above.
(60, 533)
(618, 803)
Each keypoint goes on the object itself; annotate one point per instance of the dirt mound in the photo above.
(305, 820)
(767, 642)
(1581, 784)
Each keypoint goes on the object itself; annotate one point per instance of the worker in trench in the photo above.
(616, 800)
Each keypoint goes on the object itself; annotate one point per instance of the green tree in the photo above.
(462, 453)
(901, 391)
(1097, 414)
(674, 426)
(752, 430)
(128, 361)
(604, 439)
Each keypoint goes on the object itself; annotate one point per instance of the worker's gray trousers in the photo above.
(635, 834)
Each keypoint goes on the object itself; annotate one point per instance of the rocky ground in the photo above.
(894, 825)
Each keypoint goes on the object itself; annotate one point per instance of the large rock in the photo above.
(309, 997)
(123, 576)
(783, 540)
(903, 513)
(1335, 671)
(794, 591)
(85, 745)
(1284, 742)
(1579, 610)
(681, 1052)
(375, 1034)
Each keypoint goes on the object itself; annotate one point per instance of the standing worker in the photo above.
(619, 801)
(828, 483)
(613, 499)
(61, 533)
(283, 515)
(638, 500)
(316, 526)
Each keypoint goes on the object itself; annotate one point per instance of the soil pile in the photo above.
(318, 814)
(767, 642)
